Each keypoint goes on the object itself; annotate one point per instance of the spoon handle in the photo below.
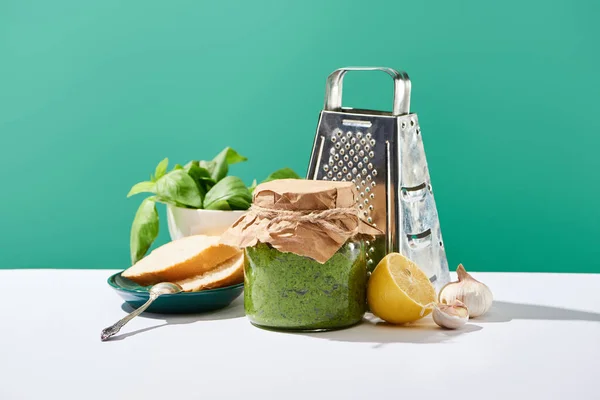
(113, 329)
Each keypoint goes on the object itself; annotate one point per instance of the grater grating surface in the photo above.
(383, 155)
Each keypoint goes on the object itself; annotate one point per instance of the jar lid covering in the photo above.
(306, 217)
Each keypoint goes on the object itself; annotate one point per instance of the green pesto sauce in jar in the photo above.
(288, 291)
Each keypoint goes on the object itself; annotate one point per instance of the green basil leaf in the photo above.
(208, 165)
(194, 170)
(144, 230)
(284, 173)
(188, 165)
(232, 156)
(226, 157)
(178, 187)
(230, 189)
(159, 199)
(202, 178)
(222, 205)
(239, 203)
(142, 187)
(177, 166)
(161, 169)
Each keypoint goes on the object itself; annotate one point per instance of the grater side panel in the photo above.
(421, 239)
(385, 158)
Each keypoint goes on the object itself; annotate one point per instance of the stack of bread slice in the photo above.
(195, 263)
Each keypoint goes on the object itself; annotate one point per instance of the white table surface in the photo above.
(540, 341)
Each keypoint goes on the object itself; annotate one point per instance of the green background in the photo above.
(94, 94)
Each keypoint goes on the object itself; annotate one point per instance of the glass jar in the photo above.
(292, 292)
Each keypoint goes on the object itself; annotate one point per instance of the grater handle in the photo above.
(333, 90)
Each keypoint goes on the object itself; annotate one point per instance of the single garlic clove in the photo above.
(450, 316)
(474, 294)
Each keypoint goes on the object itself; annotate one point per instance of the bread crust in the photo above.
(155, 267)
(230, 272)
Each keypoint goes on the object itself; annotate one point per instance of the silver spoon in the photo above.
(157, 290)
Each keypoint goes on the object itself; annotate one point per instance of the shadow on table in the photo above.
(373, 330)
(235, 310)
(503, 311)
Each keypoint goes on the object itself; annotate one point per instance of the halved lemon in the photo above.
(398, 290)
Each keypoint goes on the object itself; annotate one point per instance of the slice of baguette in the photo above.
(180, 259)
(228, 273)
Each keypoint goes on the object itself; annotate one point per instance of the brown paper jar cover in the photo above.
(306, 217)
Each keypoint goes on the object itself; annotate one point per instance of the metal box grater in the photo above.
(382, 153)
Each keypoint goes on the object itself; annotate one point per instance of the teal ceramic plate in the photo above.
(180, 303)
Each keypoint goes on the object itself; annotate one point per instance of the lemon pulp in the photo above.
(398, 290)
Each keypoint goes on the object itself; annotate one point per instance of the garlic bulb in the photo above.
(450, 316)
(474, 294)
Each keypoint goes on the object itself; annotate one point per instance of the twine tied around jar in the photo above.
(323, 218)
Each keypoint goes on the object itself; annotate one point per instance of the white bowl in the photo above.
(186, 222)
